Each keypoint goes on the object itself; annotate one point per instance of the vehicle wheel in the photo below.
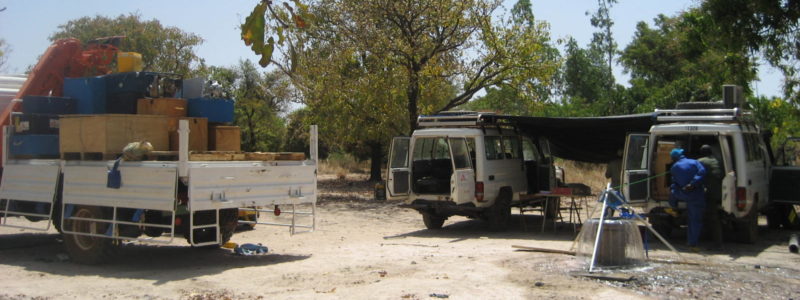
(779, 216)
(663, 225)
(432, 220)
(228, 219)
(89, 249)
(500, 212)
(749, 228)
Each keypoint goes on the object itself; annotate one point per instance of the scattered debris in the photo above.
(250, 249)
(539, 284)
(440, 296)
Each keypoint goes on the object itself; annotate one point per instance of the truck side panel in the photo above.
(214, 187)
(142, 187)
(30, 182)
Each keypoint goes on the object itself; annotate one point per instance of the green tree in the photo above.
(603, 40)
(682, 59)
(163, 48)
(4, 50)
(371, 67)
(766, 26)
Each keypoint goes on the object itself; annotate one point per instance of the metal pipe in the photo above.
(793, 244)
(599, 227)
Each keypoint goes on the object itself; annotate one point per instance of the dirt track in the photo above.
(365, 249)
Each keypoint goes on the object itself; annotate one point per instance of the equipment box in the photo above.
(173, 107)
(34, 123)
(49, 105)
(109, 134)
(198, 134)
(90, 93)
(34, 146)
(224, 138)
(215, 110)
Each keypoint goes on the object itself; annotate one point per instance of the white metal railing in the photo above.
(452, 119)
(701, 115)
(6, 212)
(293, 223)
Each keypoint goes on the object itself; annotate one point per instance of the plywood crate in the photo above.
(173, 107)
(111, 133)
(198, 134)
(269, 156)
(224, 138)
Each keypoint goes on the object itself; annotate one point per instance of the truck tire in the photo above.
(433, 220)
(500, 213)
(89, 249)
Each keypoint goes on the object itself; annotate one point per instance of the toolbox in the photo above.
(25, 123)
(34, 146)
(49, 105)
(214, 109)
(89, 92)
(173, 107)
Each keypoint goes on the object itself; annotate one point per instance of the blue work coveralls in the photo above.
(687, 185)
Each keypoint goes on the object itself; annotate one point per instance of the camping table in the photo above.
(576, 203)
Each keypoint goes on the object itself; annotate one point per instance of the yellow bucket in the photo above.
(129, 62)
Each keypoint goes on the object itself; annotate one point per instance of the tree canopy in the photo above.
(163, 48)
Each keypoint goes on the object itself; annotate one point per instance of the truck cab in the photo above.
(736, 142)
(466, 163)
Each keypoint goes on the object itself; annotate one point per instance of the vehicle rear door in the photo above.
(462, 182)
(636, 167)
(728, 196)
(398, 174)
(783, 186)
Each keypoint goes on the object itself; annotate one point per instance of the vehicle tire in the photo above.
(662, 225)
(89, 249)
(228, 220)
(779, 216)
(749, 227)
(432, 220)
(500, 213)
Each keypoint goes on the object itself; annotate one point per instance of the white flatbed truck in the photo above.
(157, 200)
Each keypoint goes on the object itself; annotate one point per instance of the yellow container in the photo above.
(129, 62)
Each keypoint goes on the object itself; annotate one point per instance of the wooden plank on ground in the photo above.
(545, 250)
(604, 276)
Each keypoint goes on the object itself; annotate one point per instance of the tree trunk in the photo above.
(376, 160)
(413, 96)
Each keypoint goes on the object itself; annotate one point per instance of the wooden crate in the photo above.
(111, 133)
(173, 107)
(198, 134)
(224, 138)
(216, 156)
(268, 156)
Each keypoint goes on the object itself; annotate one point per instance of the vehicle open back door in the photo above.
(636, 167)
(783, 185)
(462, 182)
(398, 172)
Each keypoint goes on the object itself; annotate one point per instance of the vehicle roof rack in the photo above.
(456, 119)
(702, 115)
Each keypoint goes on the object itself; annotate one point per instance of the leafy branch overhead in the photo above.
(257, 27)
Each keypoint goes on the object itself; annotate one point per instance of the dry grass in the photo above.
(592, 175)
(342, 164)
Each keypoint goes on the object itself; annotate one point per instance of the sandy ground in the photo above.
(365, 249)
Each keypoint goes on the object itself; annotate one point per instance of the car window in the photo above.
(494, 147)
(511, 147)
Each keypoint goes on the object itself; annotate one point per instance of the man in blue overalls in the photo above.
(687, 185)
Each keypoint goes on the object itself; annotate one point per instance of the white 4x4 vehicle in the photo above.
(468, 164)
(737, 144)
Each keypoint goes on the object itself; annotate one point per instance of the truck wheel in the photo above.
(432, 220)
(89, 249)
(500, 212)
(228, 220)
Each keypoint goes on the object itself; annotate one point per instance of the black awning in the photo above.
(594, 139)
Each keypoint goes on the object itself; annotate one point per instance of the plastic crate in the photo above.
(34, 146)
(89, 92)
(215, 110)
(49, 105)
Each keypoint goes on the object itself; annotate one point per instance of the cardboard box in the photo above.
(660, 185)
(224, 138)
(173, 107)
(198, 134)
(109, 134)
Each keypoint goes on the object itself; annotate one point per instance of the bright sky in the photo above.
(26, 25)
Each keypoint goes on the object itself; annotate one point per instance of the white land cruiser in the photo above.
(737, 144)
(469, 164)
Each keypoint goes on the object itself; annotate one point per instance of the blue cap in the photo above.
(676, 153)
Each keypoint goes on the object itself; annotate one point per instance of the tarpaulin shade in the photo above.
(593, 139)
